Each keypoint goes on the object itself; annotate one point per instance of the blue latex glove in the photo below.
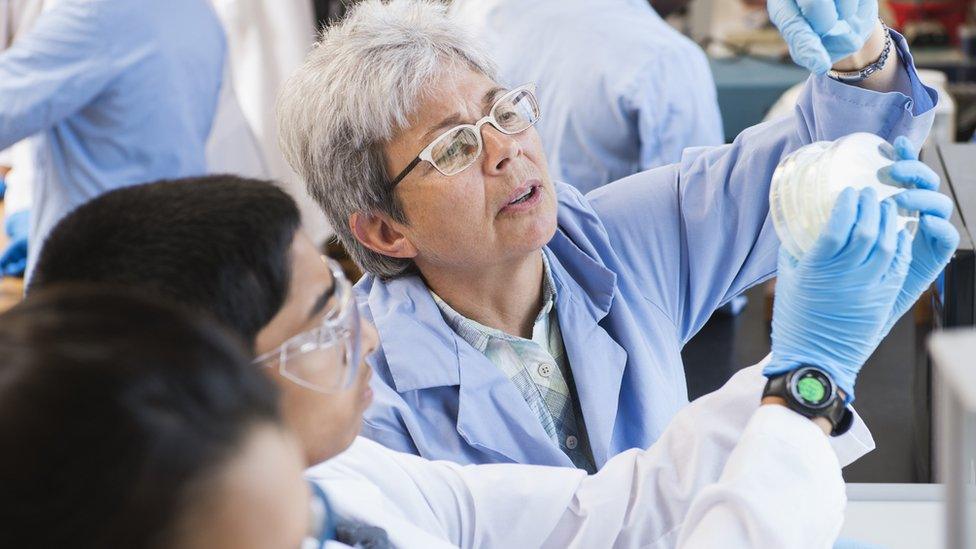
(936, 239)
(13, 262)
(822, 32)
(831, 305)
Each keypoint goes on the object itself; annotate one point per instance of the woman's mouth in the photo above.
(524, 198)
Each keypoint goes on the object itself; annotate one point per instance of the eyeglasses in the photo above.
(321, 519)
(457, 148)
(325, 358)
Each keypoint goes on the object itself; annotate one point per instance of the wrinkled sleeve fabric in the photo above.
(676, 112)
(697, 233)
(782, 467)
(56, 68)
(641, 498)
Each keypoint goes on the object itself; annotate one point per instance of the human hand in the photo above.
(13, 261)
(831, 305)
(936, 240)
(821, 32)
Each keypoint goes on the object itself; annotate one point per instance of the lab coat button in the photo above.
(571, 442)
(545, 370)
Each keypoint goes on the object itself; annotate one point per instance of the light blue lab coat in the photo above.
(117, 92)
(639, 266)
(621, 90)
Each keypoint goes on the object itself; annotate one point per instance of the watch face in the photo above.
(812, 387)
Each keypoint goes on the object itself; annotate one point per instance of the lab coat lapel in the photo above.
(585, 291)
(423, 352)
(494, 417)
(419, 347)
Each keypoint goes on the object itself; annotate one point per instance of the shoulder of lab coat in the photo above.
(695, 482)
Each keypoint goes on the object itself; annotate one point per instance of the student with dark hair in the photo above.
(228, 247)
(735, 468)
(222, 248)
(125, 423)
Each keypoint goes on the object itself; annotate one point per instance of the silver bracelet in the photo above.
(852, 77)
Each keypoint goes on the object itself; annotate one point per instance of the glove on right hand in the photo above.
(831, 305)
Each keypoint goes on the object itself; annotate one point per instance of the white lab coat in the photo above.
(725, 473)
(267, 40)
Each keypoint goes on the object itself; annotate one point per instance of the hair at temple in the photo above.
(358, 87)
(112, 409)
(218, 245)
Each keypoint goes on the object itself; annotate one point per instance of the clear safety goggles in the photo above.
(325, 358)
(457, 148)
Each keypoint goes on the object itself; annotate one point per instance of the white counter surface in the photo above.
(896, 516)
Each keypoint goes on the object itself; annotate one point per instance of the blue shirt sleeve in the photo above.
(55, 69)
(697, 233)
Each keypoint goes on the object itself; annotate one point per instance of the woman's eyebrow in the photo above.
(488, 101)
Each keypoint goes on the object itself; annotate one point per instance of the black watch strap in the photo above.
(790, 387)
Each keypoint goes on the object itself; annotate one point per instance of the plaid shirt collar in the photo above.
(478, 335)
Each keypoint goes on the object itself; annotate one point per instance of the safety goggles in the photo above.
(325, 358)
(457, 148)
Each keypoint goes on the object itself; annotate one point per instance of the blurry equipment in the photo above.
(733, 27)
(952, 356)
(328, 11)
(929, 22)
(955, 296)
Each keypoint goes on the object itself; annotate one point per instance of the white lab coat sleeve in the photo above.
(57, 67)
(640, 497)
(781, 487)
(698, 233)
(665, 481)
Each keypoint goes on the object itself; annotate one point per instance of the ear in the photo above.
(379, 233)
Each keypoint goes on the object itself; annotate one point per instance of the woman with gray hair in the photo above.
(520, 320)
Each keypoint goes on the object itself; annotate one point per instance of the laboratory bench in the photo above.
(895, 516)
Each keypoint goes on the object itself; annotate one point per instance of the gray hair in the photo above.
(358, 87)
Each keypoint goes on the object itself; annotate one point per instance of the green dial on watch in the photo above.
(811, 390)
(811, 387)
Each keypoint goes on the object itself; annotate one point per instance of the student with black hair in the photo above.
(125, 423)
(726, 472)
(231, 248)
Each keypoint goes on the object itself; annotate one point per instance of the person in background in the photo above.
(127, 423)
(222, 246)
(17, 161)
(266, 41)
(117, 91)
(521, 321)
(237, 252)
(623, 90)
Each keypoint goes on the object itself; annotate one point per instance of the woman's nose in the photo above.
(500, 149)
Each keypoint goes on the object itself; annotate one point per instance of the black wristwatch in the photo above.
(810, 392)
